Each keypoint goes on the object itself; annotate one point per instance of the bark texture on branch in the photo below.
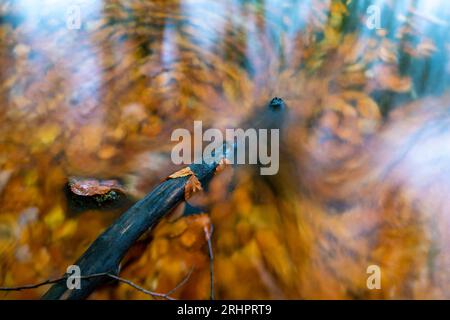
(106, 252)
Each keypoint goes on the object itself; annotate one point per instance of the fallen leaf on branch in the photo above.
(181, 173)
(192, 186)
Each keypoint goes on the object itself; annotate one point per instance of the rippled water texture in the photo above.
(365, 158)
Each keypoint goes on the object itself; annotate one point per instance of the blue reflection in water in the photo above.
(55, 32)
(263, 38)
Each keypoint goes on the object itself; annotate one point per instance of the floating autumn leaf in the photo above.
(181, 173)
(93, 187)
(366, 106)
(193, 185)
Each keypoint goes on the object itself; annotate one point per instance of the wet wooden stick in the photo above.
(106, 252)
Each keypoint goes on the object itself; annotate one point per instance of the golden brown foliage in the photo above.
(358, 184)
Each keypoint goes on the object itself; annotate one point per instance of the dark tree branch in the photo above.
(106, 252)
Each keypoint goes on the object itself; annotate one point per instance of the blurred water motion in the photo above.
(94, 89)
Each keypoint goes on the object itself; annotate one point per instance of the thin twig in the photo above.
(208, 234)
(181, 283)
(135, 286)
(105, 274)
(33, 286)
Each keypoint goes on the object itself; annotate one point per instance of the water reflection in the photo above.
(366, 140)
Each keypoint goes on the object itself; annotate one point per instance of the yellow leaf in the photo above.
(54, 218)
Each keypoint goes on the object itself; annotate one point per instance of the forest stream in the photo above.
(91, 91)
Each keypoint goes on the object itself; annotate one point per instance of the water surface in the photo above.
(95, 88)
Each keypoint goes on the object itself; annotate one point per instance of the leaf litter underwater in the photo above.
(364, 154)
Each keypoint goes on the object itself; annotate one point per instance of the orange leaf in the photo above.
(181, 173)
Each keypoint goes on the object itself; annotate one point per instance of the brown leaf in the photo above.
(181, 173)
(193, 184)
(93, 187)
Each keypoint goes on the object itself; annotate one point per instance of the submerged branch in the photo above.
(106, 252)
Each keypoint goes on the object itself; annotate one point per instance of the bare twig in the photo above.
(208, 235)
(34, 286)
(181, 283)
(120, 279)
(110, 247)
